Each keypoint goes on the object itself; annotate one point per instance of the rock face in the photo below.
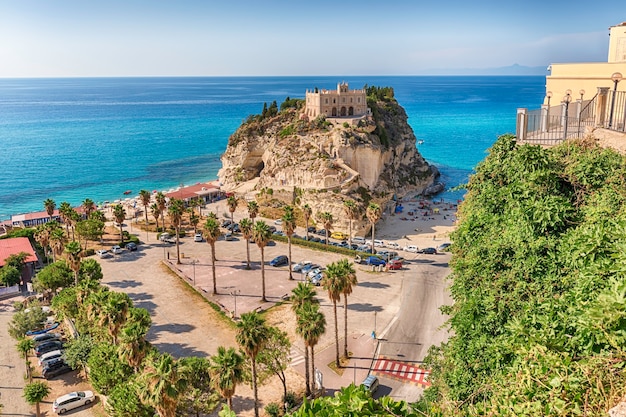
(324, 162)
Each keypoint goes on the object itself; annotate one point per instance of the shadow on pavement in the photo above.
(127, 283)
(172, 328)
(364, 307)
(373, 285)
(442, 265)
(179, 350)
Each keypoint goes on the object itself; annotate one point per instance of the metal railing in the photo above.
(570, 120)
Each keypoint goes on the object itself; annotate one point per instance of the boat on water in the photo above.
(44, 330)
(128, 192)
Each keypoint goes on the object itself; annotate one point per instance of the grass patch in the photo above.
(343, 363)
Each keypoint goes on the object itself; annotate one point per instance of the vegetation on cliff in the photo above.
(539, 286)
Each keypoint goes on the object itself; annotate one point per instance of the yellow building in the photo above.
(336, 103)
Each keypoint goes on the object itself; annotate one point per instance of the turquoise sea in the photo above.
(71, 139)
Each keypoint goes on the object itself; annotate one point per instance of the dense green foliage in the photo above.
(539, 286)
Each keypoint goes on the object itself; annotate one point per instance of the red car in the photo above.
(395, 264)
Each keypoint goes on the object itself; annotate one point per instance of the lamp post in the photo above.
(235, 293)
(582, 94)
(194, 262)
(548, 96)
(580, 110)
(567, 99)
(616, 77)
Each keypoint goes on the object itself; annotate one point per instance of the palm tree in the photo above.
(289, 226)
(352, 210)
(113, 313)
(252, 334)
(333, 283)
(245, 225)
(35, 392)
(161, 384)
(373, 214)
(156, 213)
(42, 236)
(175, 211)
(253, 210)
(232, 206)
(307, 212)
(24, 346)
(65, 212)
(88, 206)
(161, 202)
(262, 235)
(133, 346)
(73, 250)
(212, 232)
(144, 197)
(226, 372)
(327, 220)
(57, 242)
(348, 274)
(311, 325)
(49, 205)
(119, 214)
(194, 220)
(301, 294)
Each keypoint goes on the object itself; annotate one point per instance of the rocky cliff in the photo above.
(324, 162)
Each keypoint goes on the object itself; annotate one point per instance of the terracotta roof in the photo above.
(15, 245)
(192, 191)
(32, 216)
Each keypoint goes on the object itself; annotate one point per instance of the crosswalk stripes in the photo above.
(296, 357)
(401, 370)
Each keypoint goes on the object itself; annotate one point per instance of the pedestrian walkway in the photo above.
(296, 356)
(401, 371)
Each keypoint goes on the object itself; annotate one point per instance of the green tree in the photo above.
(333, 283)
(156, 213)
(289, 227)
(57, 242)
(161, 203)
(253, 210)
(90, 269)
(49, 205)
(36, 392)
(227, 372)
(262, 235)
(199, 397)
(352, 211)
(133, 346)
(24, 346)
(327, 220)
(77, 352)
(53, 277)
(212, 233)
(310, 325)
(274, 356)
(373, 214)
(231, 202)
(24, 321)
(88, 206)
(252, 334)
(123, 401)
(246, 225)
(9, 276)
(114, 312)
(145, 197)
(119, 214)
(161, 384)
(73, 252)
(307, 212)
(301, 294)
(348, 276)
(106, 370)
(175, 211)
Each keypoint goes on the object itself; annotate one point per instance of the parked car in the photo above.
(164, 237)
(48, 357)
(394, 265)
(198, 237)
(316, 279)
(311, 229)
(71, 401)
(279, 261)
(397, 258)
(298, 267)
(393, 245)
(338, 235)
(278, 222)
(314, 271)
(103, 253)
(233, 227)
(358, 240)
(272, 228)
(307, 268)
(229, 237)
(374, 260)
(55, 368)
(371, 383)
(131, 246)
(321, 232)
(428, 251)
(411, 248)
(379, 243)
(443, 247)
(48, 346)
(226, 223)
(117, 249)
(46, 336)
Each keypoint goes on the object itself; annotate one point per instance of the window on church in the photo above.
(325, 101)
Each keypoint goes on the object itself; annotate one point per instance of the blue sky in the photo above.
(64, 38)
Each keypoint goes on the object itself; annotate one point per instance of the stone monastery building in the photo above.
(342, 102)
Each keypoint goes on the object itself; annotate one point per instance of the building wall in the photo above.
(617, 43)
(336, 103)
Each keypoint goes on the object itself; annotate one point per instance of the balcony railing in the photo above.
(570, 120)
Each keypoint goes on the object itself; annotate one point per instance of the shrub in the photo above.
(272, 410)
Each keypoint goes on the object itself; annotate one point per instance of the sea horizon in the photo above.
(71, 138)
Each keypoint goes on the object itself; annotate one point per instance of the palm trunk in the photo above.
(373, 230)
(37, 409)
(263, 274)
(327, 233)
(121, 234)
(213, 268)
(146, 213)
(229, 401)
(345, 326)
(290, 272)
(313, 368)
(307, 377)
(177, 247)
(350, 233)
(255, 388)
(336, 335)
(248, 253)
(307, 229)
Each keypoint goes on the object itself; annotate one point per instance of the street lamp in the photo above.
(194, 262)
(616, 77)
(567, 99)
(582, 94)
(235, 293)
(548, 96)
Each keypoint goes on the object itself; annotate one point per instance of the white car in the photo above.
(71, 401)
(103, 253)
(197, 237)
(379, 243)
(393, 245)
(298, 267)
(47, 357)
(411, 248)
(117, 250)
(278, 222)
(358, 240)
